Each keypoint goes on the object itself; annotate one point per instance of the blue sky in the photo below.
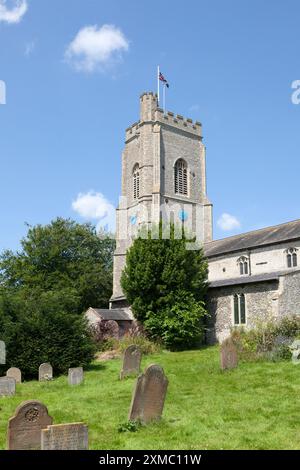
(230, 64)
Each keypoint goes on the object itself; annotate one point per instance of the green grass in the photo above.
(256, 406)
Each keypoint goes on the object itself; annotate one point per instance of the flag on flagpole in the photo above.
(162, 79)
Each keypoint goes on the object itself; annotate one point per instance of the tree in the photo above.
(62, 256)
(42, 329)
(160, 276)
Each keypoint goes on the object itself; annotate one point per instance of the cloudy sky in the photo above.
(74, 71)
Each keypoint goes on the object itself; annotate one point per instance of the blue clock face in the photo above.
(183, 216)
(133, 220)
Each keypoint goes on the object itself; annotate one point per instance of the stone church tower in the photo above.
(163, 177)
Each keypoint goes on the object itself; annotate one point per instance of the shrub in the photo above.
(268, 341)
(43, 329)
(180, 324)
(146, 345)
(105, 331)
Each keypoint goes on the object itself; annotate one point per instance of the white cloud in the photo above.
(12, 13)
(228, 222)
(96, 47)
(94, 206)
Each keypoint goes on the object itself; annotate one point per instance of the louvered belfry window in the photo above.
(181, 177)
(136, 182)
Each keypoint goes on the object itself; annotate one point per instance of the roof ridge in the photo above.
(253, 231)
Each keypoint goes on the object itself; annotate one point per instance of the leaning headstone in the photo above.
(131, 361)
(75, 376)
(72, 436)
(7, 386)
(15, 373)
(24, 428)
(295, 350)
(228, 355)
(45, 372)
(149, 395)
(2, 353)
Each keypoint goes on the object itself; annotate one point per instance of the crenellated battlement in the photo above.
(150, 112)
(178, 121)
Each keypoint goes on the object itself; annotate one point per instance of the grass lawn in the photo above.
(256, 406)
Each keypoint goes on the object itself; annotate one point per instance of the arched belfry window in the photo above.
(181, 177)
(136, 181)
(243, 264)
(291, 257)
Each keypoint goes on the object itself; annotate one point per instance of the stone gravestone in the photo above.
(131, 361)
(15, 373)
(2, 353)
(24, 428)
(72, 436)
(295, 350)
(7, 386)
(228, 355)
(45, 372)
(149, 395)
(75, 376)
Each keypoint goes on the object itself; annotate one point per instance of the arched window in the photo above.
(243, 264)
(291, 257)
(239, 306)
(181, 177)
(136, 181)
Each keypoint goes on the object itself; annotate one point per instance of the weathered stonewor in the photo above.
(15, 373)
(75, 376)
(72, 436)
(7, 386)
(149, 395)
(131, 361)
(24, 428)
(2, 353)
(45, 372)
(228, 355)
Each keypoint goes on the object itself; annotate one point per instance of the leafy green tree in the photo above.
(44, 329)
(158, 273)
(63, 255)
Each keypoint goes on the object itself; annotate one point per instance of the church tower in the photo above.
(163, 177)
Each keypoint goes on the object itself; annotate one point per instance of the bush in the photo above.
(269, 341)
(146, 345)
(180, 324)
(43, 329)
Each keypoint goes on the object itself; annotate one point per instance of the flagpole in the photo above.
(164, 97)
(158, 71)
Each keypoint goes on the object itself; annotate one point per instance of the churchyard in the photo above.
(255, 405)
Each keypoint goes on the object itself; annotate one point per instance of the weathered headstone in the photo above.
(75, 376)
(45, 372)
(24, 428)
(228, 355)
(72, 436)
(295, 350)
(131, 361)
(15, 373)
(2, 353)
(7, 386)
(149, 395)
